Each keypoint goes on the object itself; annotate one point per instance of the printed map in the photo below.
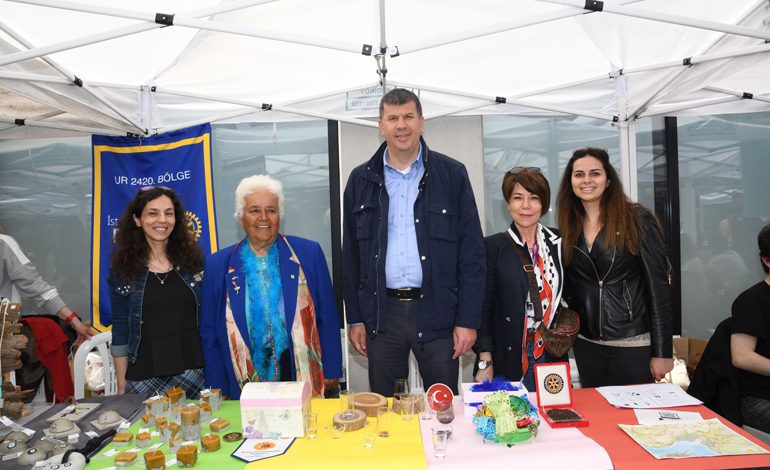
(691, 439)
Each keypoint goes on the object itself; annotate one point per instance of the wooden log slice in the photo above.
(368, 402)
(354, 422)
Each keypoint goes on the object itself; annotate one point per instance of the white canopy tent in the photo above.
(96, 67)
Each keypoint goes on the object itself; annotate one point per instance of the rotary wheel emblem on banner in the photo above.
(193, 224)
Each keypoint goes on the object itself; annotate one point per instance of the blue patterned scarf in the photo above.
(265, 314)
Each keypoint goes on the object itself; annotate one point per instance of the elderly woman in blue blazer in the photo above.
(268, 312)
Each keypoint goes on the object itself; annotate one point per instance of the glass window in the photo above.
(45, 194)
(724, 194)
(45, 204)
(297, 154)
(546, 143)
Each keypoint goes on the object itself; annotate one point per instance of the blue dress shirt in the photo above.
(402, 261)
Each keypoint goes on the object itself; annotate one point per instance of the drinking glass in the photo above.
(440, 437)
(400, 388)
(426, 412)
(445, 412)
(407, 406)
(384, 421)
(311, 425)
(347, 403)
(336, 430)
(370, 434)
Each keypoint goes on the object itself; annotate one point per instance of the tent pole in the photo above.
(678, 73)
(701, 59)
(496, 28)
(628, 174)
(739, 94)
(118, 32)
(495, 99)
(381, 56)
(673, 19)
(66, 127)
(74, 79)
(671, 110)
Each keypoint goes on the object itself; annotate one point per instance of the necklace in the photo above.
(162, 279)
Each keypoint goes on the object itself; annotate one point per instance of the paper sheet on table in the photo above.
(647, 396)
(647, 416)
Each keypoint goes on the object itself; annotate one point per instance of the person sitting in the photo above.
(269, 311)
(750, 343)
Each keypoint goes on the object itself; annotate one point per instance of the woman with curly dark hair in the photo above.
(155, 280)
(617, 276)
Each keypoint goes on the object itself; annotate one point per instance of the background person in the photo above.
(269, 312)
(508, 342)
(617, 274)
(750, 343)
(413, 254)
(154, 280)
(20, 280)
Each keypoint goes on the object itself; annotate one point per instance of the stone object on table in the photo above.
(353, 420)
(107, 420)
(143, 439)
(154, 460)
(210, 443)
(125, 459)
(212, 396)
(176, 395)
(61, 429)
(187, 456)
(157, 405)
(174, 444)
(219, 425)
(191, 425)
(32, 455)
(122, 438)
(206, 410)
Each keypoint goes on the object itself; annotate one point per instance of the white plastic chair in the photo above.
(101, 343)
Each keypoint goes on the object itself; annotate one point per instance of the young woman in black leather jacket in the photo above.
(617, 276)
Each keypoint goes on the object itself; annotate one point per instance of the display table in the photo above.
(600, 445)
(403, 449)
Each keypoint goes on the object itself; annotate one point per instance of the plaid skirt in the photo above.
(191, 381)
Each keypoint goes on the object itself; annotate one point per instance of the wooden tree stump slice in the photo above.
(368, 402)
(354, 422)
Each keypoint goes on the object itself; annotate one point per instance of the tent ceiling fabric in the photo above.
(222, 60)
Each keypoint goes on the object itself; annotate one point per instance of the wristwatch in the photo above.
(484, 364)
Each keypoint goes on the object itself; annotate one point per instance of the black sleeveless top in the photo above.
(170, 343)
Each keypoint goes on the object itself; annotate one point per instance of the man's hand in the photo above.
(357, 336)
(659, 366)
(464, 338)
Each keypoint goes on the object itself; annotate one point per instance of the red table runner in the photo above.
(627, 454)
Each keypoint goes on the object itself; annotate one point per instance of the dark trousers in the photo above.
(601, 366)
(388, 352)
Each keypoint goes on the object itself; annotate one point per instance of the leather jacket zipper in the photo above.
(601, 285)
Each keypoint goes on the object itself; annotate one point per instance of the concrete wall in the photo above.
(458, 137)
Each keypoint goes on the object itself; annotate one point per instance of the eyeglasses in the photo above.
(521, 169)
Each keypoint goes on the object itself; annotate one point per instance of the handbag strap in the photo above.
(529, 270)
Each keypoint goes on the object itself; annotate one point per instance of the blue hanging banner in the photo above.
(180, 160)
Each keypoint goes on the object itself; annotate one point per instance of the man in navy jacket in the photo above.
(413, 254)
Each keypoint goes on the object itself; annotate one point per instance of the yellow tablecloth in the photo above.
(402, 450)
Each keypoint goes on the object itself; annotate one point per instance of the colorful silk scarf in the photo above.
(304, 335)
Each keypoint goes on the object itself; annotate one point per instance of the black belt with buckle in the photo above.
(405, 293)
